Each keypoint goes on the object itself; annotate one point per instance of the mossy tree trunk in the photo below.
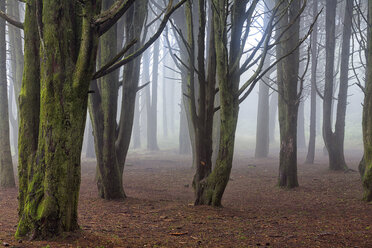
(367, 117)
(6, 165)
(201, 103)
(50, 182)
(287, 76)
(334, 140)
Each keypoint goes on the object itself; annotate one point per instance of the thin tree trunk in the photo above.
(136, 125)
(152, 141)
(6, 165)
(16, 54)
(314, 63)
(273, 116)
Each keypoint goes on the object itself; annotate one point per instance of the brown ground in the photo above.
(325, 211)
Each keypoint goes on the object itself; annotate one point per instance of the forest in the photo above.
(185, 123)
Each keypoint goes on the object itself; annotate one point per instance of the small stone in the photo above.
(5, 244)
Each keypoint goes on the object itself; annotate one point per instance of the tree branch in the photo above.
(11, 21)
(105, 20)
(134, 55)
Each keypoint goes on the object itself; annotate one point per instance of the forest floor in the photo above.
(325, 211)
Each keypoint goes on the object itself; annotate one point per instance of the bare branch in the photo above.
(108, 18)
(11, 21)
(134, 55)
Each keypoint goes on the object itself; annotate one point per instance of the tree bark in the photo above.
(49, 183)
(6, 165)
(288, 97)
(367, 117)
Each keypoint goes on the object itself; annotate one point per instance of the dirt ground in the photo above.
(325, 211)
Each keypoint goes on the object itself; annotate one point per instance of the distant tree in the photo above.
(16, 56)
(314, 63)
(152, 102)
(6, 165)
(263, 111)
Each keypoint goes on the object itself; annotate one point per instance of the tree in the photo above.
(367, 115)
(263, 114)
(287, 76)
(152, 102)
(61, 39)
(314, 63)
(16, 56)
(229, 67)
(112, 139)
(201, 105)
(334, 140)
(6, 165)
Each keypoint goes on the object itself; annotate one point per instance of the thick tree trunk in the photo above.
(202, 113)
(52, 185)
(6, 165)
(314, 63)
(228, 82)
(367, 117)
(288, 97)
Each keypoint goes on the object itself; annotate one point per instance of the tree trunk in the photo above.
(184, 137)
(164, 94)
(49, 184)
(262, 133)
(272, 116)
(367, 116)
(16, 54)
(314, 63)
(6, 165)
(109, 176)
(136, 125)
(152, 115)
(301, 140)
(288, 97)
(334, 141)
(90, 152)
